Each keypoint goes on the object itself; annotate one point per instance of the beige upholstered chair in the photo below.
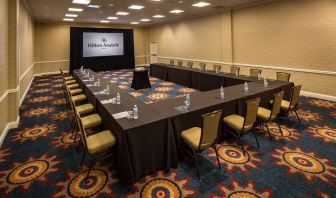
(242, 125)
(234, 69)
(172, 62)
(266, 115)
(190, 64)
(95, 144)
(179, 63)
(255, 72)
(217, 67)
(202, 66)
(283, 76)
(199, 139)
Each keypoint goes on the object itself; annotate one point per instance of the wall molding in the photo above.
(293, 69)
(53, 61)
(316, 95)
(26, 72)
(9, 126)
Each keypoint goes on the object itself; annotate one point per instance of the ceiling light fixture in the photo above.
(71, 15)
(134, 23)
(201, 4)
(66, 19)
(145, 20)
(136, 7)
(122, 13)
(81, 1)
(176, 11)
(75, 9)
(158, 16)
(94, 6)
(104, 21)
(112, 18)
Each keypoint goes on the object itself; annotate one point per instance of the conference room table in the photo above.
(152, 142)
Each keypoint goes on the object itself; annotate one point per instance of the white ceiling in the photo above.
(55, 10)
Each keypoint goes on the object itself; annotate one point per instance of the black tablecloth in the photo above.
(140, 80)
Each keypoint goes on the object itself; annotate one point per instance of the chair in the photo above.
(172, 62)
(202, 66)
(255, 72)
(288, 106)
(179, 63)
(217, 67)
(245, 124)
(190, 64)
(283, 76)
(200, 139)
(66, 77)
(234, 70)
(266, 115)
(95, 144)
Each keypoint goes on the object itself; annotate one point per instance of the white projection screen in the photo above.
(103, 44)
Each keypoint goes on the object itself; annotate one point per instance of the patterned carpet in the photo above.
(38, 159)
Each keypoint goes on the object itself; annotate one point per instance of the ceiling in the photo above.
(55, 10)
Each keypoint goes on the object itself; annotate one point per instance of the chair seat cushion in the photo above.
(69, 82)
(68, 78)
(100, 141)
(85, 108)
(78, 98)
(234, 121)
(75, 91)
(263, 114)
(91, 121)
(284, 104)
(192, 137)
(73, 86)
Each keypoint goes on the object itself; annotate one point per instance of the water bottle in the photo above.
(222, 92)
(259, 76)
(246, 87)
(98, 82)
(135, 112)
(107, 89)
(187, 100)
(237, 73)
(92, 79)
(118, 98)
(265, 82)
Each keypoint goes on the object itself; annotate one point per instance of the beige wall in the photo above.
(52, 45)
(287, 34)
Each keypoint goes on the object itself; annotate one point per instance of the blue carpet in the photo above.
(38, 159)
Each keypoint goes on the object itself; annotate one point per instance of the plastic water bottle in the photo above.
(81, 69)
(222, 92)
(135, 112)
(98, 82)
(187, 100)
(118, 98)
(259, 76)
(237, 73)
(265, 82)
(246, 88)
(92, 79)
(107, 89)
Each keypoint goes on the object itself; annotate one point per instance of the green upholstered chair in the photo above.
(255, 72)
(171, 62)
(217, 67)
(179, 63)
(202, 66)
(199, 139)
(242, 125)
(190, 64)
(234, 69)
(268, 115)
(283, 76)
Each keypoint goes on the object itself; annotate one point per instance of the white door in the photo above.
(153, 52)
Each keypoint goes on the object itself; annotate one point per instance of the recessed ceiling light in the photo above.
(134, 23)
(66, 19)
(201, 4)
(104, 21)
(111, 4)
(122, 13)
(136, 7)
(145, 20)
(94, 6)
(71, 15)
(176, 11)
(81, 1)
(75, 9)
(158, 16)
(156, 0)
(112, 18)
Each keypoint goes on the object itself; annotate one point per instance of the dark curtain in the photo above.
(100, 63)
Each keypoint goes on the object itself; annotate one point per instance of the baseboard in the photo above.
(319, 96)
(142, 65)
(50, 73)
(9, 126)
(26, 91)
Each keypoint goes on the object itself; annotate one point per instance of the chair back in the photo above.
(234, 69)
(190, 64)
(61, 72)
(179, 63)
(217, 67)
(295, 96)
(209, 129)
(172, 62)
(81, 129)
(202, 66)
(277, 104)
(283, 76)
(251, 113)
(255, 72)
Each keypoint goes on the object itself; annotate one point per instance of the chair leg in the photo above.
(255, 136)
(87, 177)
(297, 116)
(215, 148)
(240, 143)
(78, 146)
(196, 164)
(277, 122)
(81, 163)
(269, 133)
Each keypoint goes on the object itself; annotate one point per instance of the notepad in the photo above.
(99, 92)
(182, 108)
(109, 101)
(123, 114)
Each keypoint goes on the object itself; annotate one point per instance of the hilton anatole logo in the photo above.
(105, 44)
